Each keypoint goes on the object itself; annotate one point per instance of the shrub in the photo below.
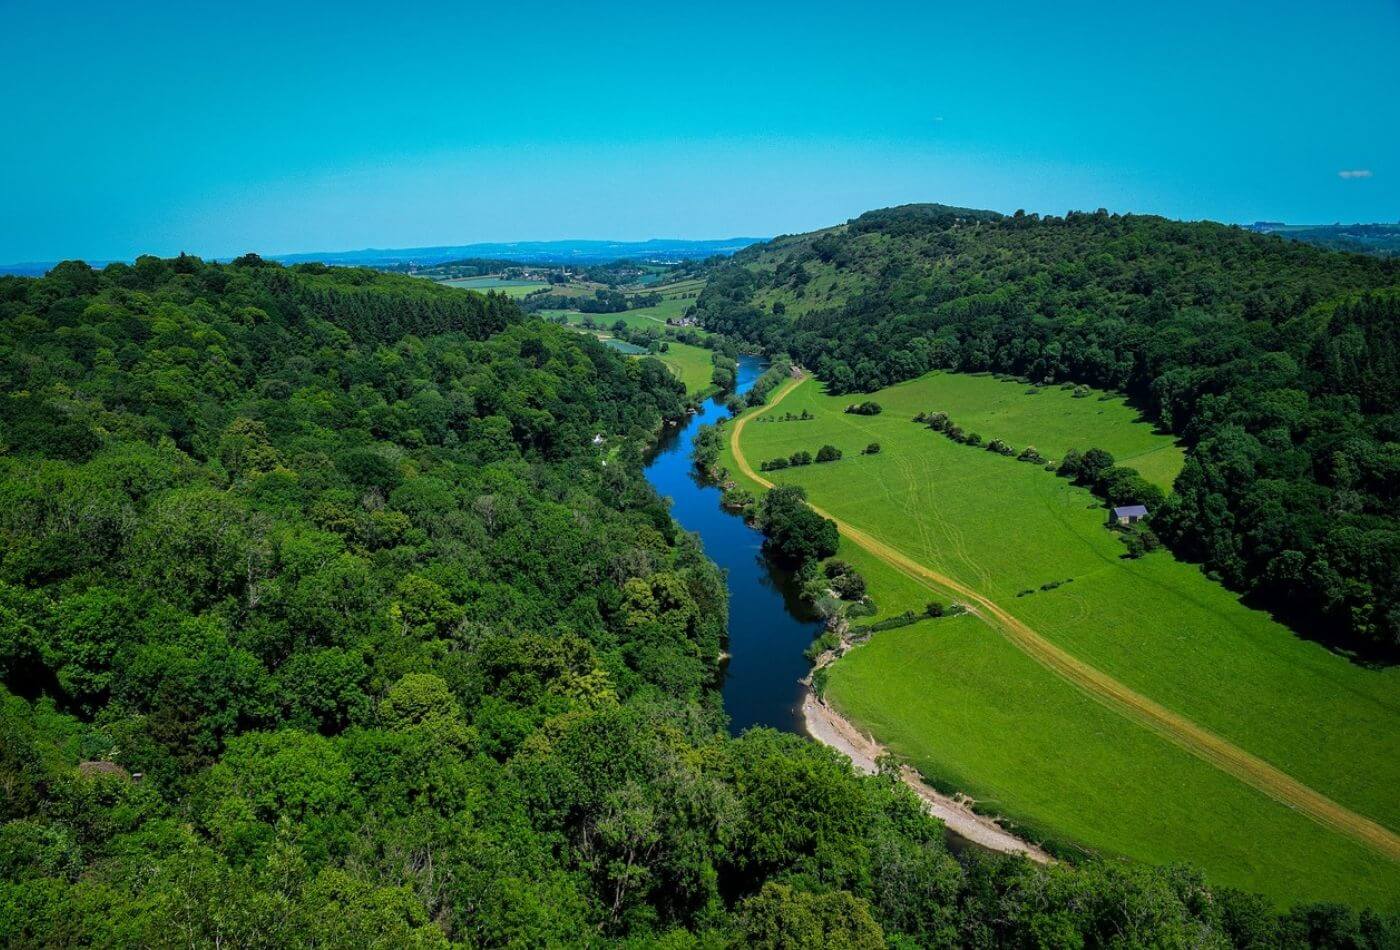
(867, 408)
(827, 641)
(800, 457)
(872, 449)
(1000, 447)
(861, 608)
(1029, 454)
(828, 453)
(934, 609)
(891, 623)
(1140, 540)
(973, 439)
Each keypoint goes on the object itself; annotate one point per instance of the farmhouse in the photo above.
(1127, 514)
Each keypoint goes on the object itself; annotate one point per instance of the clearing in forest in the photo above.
(1126, 706)
(691, 364)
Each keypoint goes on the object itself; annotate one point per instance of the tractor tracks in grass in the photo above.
(1104, 689)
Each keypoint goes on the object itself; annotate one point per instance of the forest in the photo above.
(1276, 363)
(324, 620)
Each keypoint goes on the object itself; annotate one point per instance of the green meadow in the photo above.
(691, 364)
(501, 285)
(968, 709)
(642, 318)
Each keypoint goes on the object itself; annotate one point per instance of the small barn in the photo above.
(1128, 514)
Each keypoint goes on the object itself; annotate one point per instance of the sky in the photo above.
(229, 127)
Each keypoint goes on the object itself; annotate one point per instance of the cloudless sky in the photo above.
(220, 128)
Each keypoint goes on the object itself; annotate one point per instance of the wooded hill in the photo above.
(1278, 363)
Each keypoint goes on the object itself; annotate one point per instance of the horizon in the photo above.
(754, 239)
(217, 136)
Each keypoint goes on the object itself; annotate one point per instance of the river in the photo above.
(769, 626)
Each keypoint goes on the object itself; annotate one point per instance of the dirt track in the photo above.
(1103, 688)
(829, 728)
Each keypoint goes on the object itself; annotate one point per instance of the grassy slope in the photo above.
(1155, 624)
(691, 364)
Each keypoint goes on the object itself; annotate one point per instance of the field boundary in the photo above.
(1104, 689)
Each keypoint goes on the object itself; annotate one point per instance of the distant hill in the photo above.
(1276, 362)
(528, 252)
(1382, 240)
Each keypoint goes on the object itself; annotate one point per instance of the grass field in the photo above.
(642, 318)
(691, 364)
(679, 288)
(511, 288)
(967, 706)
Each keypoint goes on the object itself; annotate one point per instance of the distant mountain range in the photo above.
(527, 252)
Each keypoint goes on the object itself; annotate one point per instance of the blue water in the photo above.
(769, 626)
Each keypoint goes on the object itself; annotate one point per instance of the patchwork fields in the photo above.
(972, 709)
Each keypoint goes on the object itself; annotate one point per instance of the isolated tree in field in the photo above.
(872, 449)
(828, 453)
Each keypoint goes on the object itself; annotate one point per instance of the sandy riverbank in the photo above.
(829, 728)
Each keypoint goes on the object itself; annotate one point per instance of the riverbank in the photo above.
(827, 726)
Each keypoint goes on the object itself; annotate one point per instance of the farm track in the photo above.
(1176, 728)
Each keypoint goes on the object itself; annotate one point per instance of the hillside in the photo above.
(1278, 364)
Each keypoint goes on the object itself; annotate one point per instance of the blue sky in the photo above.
(220, 128)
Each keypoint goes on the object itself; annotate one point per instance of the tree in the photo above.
(795, 533)
(781, 918)
(828, 453)
(1092, 464)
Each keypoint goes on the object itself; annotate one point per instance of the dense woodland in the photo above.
(323, 621)
(1278, 364)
